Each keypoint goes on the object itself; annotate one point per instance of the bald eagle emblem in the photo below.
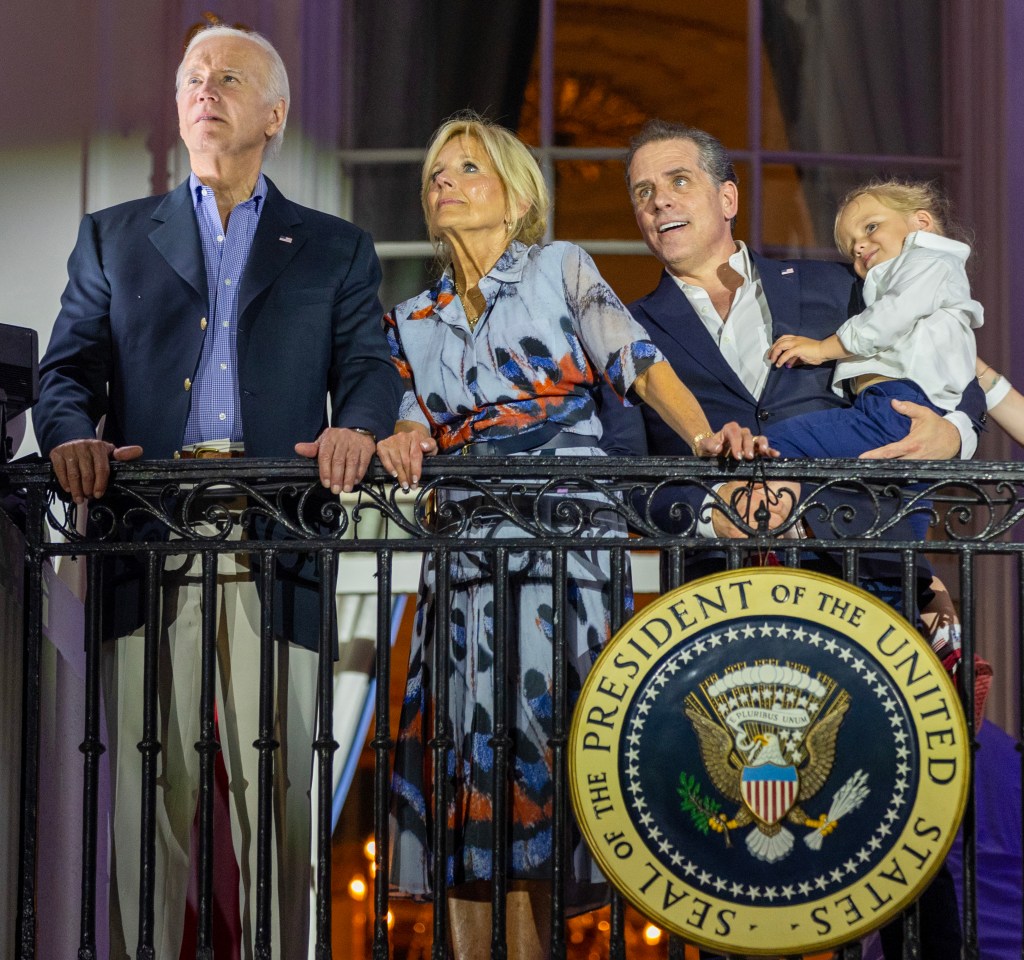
(767, 735)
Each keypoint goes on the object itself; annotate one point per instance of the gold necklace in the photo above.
(471, 312)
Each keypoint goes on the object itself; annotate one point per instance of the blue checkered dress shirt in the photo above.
(215, 413)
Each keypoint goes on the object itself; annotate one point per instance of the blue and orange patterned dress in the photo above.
(551, 327)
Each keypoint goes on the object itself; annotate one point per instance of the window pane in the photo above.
(741, 228)
(591, 201)
(618, 64)
(800, 203)
(386, 200)
(786, 223)
(776, 91)
(404, 279)
(862, 77)
(412, 64)
(630, 277)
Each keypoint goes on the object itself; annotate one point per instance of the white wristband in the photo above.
(997, 392)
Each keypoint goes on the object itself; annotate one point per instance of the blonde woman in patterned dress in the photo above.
(501, 356)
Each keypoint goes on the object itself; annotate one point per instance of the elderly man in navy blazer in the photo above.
(216, 321)
(717, 309)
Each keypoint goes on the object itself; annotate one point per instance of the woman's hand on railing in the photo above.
(402, 453)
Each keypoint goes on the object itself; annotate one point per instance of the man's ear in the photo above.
(277, 115)
(729, 195)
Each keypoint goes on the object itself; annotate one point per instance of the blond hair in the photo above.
(515, 166)
(905, 197)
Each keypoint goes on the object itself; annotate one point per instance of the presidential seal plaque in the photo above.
(769, 762)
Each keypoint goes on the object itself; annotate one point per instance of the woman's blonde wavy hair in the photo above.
(515, 166)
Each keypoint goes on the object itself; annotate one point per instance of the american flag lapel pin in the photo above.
(284, 239)
(785, 272)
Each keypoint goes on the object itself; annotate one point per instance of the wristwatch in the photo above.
(365, 432)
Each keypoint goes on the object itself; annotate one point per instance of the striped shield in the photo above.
(769, 790)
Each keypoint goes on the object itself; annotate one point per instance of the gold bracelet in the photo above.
(697, 439)
(994, 376)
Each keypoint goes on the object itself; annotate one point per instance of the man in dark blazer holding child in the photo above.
(715, 312)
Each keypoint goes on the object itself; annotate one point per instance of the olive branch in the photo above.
(700, 808)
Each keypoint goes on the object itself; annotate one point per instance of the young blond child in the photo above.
(914, 341)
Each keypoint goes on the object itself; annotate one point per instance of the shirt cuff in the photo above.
(997, 393)
(705, 527)
(968, 438)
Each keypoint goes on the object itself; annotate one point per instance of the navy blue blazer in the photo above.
(133, 315)
(811, 298)
(129, 336)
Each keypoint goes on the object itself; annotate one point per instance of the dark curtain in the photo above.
(415, 62)
(855, 77)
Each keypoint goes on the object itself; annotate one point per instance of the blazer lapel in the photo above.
(780, 281)
(674, 315)
(278, 238)
(177, 238)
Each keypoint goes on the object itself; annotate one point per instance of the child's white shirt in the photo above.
(919, 321)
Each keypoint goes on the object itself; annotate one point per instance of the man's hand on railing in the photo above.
(82, 467)
(746, 499)
(734, 441)
(343, 456)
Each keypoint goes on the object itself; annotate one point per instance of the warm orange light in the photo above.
(391, 919)
(357, 888)
(652, 934)
(370, 849)
(604, 926)
(419, 927)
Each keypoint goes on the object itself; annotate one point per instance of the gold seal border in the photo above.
(839, 917)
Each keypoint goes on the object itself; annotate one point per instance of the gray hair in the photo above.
(712, 156)
(276, 80)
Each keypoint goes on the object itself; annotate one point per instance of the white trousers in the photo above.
(178, 719)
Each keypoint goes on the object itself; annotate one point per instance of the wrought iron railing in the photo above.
(856, 509)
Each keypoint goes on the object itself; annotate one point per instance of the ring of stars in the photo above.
(698, 875)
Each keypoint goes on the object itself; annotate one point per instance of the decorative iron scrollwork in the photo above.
(655, 499)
